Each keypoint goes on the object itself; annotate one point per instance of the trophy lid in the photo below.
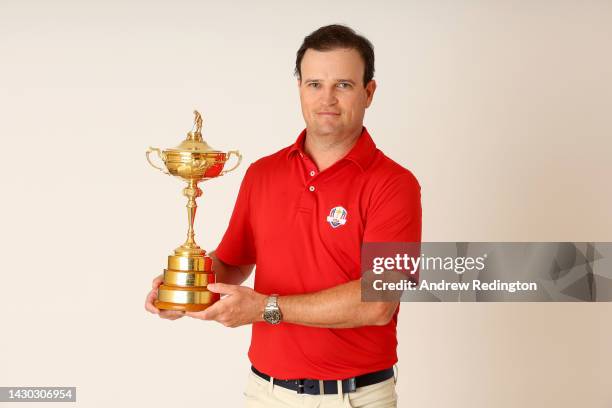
(194, 142)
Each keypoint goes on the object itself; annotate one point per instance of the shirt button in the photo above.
(311, 188)
(312, 173)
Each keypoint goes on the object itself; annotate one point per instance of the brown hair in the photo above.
(336, 36)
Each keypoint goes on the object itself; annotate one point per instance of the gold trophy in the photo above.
(189, 268)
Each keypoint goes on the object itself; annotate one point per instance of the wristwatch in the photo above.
(272, 313)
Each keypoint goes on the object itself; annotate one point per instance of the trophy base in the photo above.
(185, 282)
(181, 307)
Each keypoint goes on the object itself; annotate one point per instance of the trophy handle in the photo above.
(228, 155)
(159, 154)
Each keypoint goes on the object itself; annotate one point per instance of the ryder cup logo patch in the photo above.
(337, 217)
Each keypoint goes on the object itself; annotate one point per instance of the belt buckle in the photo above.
(300, 385)
(352, 384)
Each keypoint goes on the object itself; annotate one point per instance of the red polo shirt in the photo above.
(303, 229)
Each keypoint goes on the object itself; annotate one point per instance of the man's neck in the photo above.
(325, 150)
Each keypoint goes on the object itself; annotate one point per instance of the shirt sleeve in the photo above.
(238, 245)
(395, 216)
(395, 213)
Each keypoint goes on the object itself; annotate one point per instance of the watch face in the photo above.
(272, 316)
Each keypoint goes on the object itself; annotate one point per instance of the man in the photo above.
(301, 216)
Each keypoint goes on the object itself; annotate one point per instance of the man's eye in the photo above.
(344, 85)
(313, 85)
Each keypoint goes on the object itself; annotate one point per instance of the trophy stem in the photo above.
(191, 210)
(192, 191)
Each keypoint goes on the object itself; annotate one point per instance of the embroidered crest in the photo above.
(337, 217)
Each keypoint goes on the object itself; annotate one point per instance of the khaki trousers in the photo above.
(264, 394)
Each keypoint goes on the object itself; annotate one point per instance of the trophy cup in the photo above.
(189, 268)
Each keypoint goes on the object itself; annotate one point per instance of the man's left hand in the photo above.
(240, 305)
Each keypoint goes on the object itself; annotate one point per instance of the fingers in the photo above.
(171, 314)
(222, 288)
(202, 315)
(210, 313)
(157, 281)
(149, 302)
(164, 314)
(197, 315)
(152, 297)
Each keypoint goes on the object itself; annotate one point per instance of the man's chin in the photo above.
(327, 130)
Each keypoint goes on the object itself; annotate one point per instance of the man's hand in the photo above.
(152, 296)
(241, 305)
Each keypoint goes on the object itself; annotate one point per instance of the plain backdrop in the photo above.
(500, 108)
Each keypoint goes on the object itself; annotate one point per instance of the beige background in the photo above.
(501, 109)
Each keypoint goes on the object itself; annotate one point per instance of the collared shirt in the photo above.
(303, 228)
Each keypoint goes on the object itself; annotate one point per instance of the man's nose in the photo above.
(329, 96)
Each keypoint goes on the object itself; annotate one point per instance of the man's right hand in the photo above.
(152, 297)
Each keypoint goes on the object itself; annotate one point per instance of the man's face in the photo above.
(332, 92)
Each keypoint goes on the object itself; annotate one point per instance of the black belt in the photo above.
(309, 386)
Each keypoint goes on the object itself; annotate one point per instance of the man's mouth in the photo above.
(329, 113)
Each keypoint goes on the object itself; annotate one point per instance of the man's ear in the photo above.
(299, 82)
(370, 88)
